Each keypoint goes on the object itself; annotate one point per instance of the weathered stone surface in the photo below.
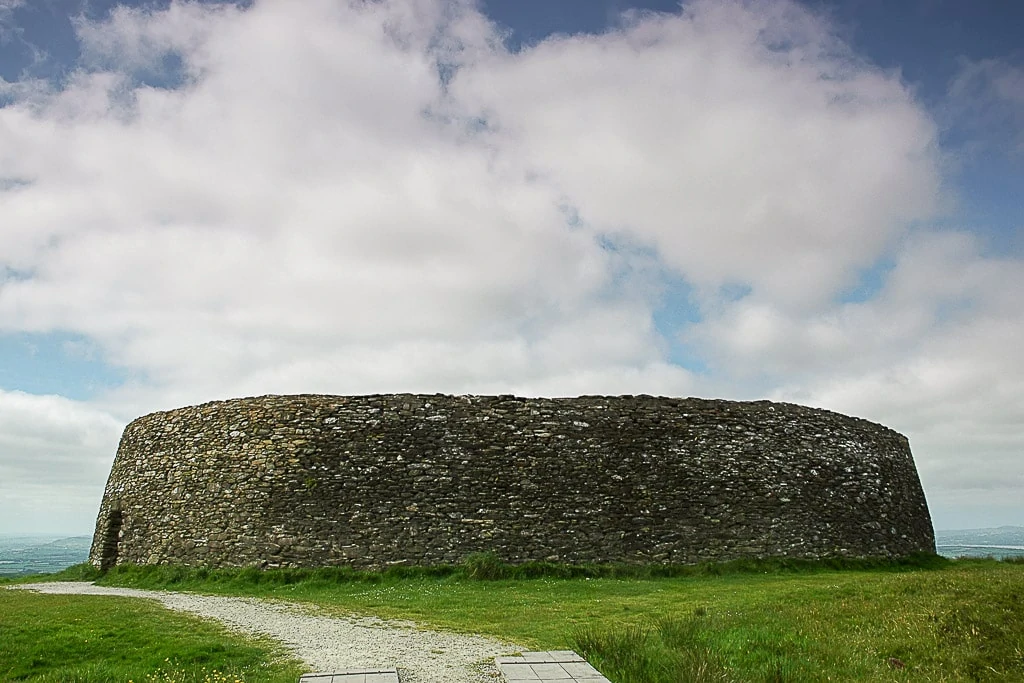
(369, 481)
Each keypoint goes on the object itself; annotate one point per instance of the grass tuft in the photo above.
(485, 567)
(667, 650)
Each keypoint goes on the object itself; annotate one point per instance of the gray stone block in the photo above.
(549, 671)
(581, 670)
(518, 672)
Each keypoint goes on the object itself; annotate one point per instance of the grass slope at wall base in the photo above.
(371, 481)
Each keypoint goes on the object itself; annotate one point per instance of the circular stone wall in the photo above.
(369, 481)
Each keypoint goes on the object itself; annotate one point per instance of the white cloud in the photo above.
(134, 39)
(312, 208)
(54, 458)
(294, 201)
(7, 8)
(741, 140)
(8, 27)
(987, 96)
(293, 194)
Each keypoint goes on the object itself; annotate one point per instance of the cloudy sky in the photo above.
(810, 202)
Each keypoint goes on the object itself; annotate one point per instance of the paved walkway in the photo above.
(354, 676)
(554, 666)
(563, 666)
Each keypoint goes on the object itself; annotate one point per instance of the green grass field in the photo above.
(93, 639)
(938, 621)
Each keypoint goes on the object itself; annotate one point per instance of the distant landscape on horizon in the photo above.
(26, 554)
(22, 554)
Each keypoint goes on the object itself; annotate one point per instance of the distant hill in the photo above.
(1000, 542)
(21, 555)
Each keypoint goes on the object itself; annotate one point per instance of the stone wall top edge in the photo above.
(357, 398)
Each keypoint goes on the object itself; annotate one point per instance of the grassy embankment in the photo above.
(928, 620)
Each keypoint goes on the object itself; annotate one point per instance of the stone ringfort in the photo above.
(372, 481)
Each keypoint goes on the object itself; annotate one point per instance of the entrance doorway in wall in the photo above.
(111, 540)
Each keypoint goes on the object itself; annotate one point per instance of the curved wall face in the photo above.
(369, 481)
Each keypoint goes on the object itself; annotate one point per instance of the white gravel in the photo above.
(328, 643)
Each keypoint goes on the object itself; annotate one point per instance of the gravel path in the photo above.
(330, 644)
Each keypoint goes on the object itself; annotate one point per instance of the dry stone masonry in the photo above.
(371, 481)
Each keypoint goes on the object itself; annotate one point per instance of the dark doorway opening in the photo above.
(111, 540)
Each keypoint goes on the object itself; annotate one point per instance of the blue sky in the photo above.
(817, 202)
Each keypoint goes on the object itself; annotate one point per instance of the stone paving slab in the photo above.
(354, 676)
(551, 666)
